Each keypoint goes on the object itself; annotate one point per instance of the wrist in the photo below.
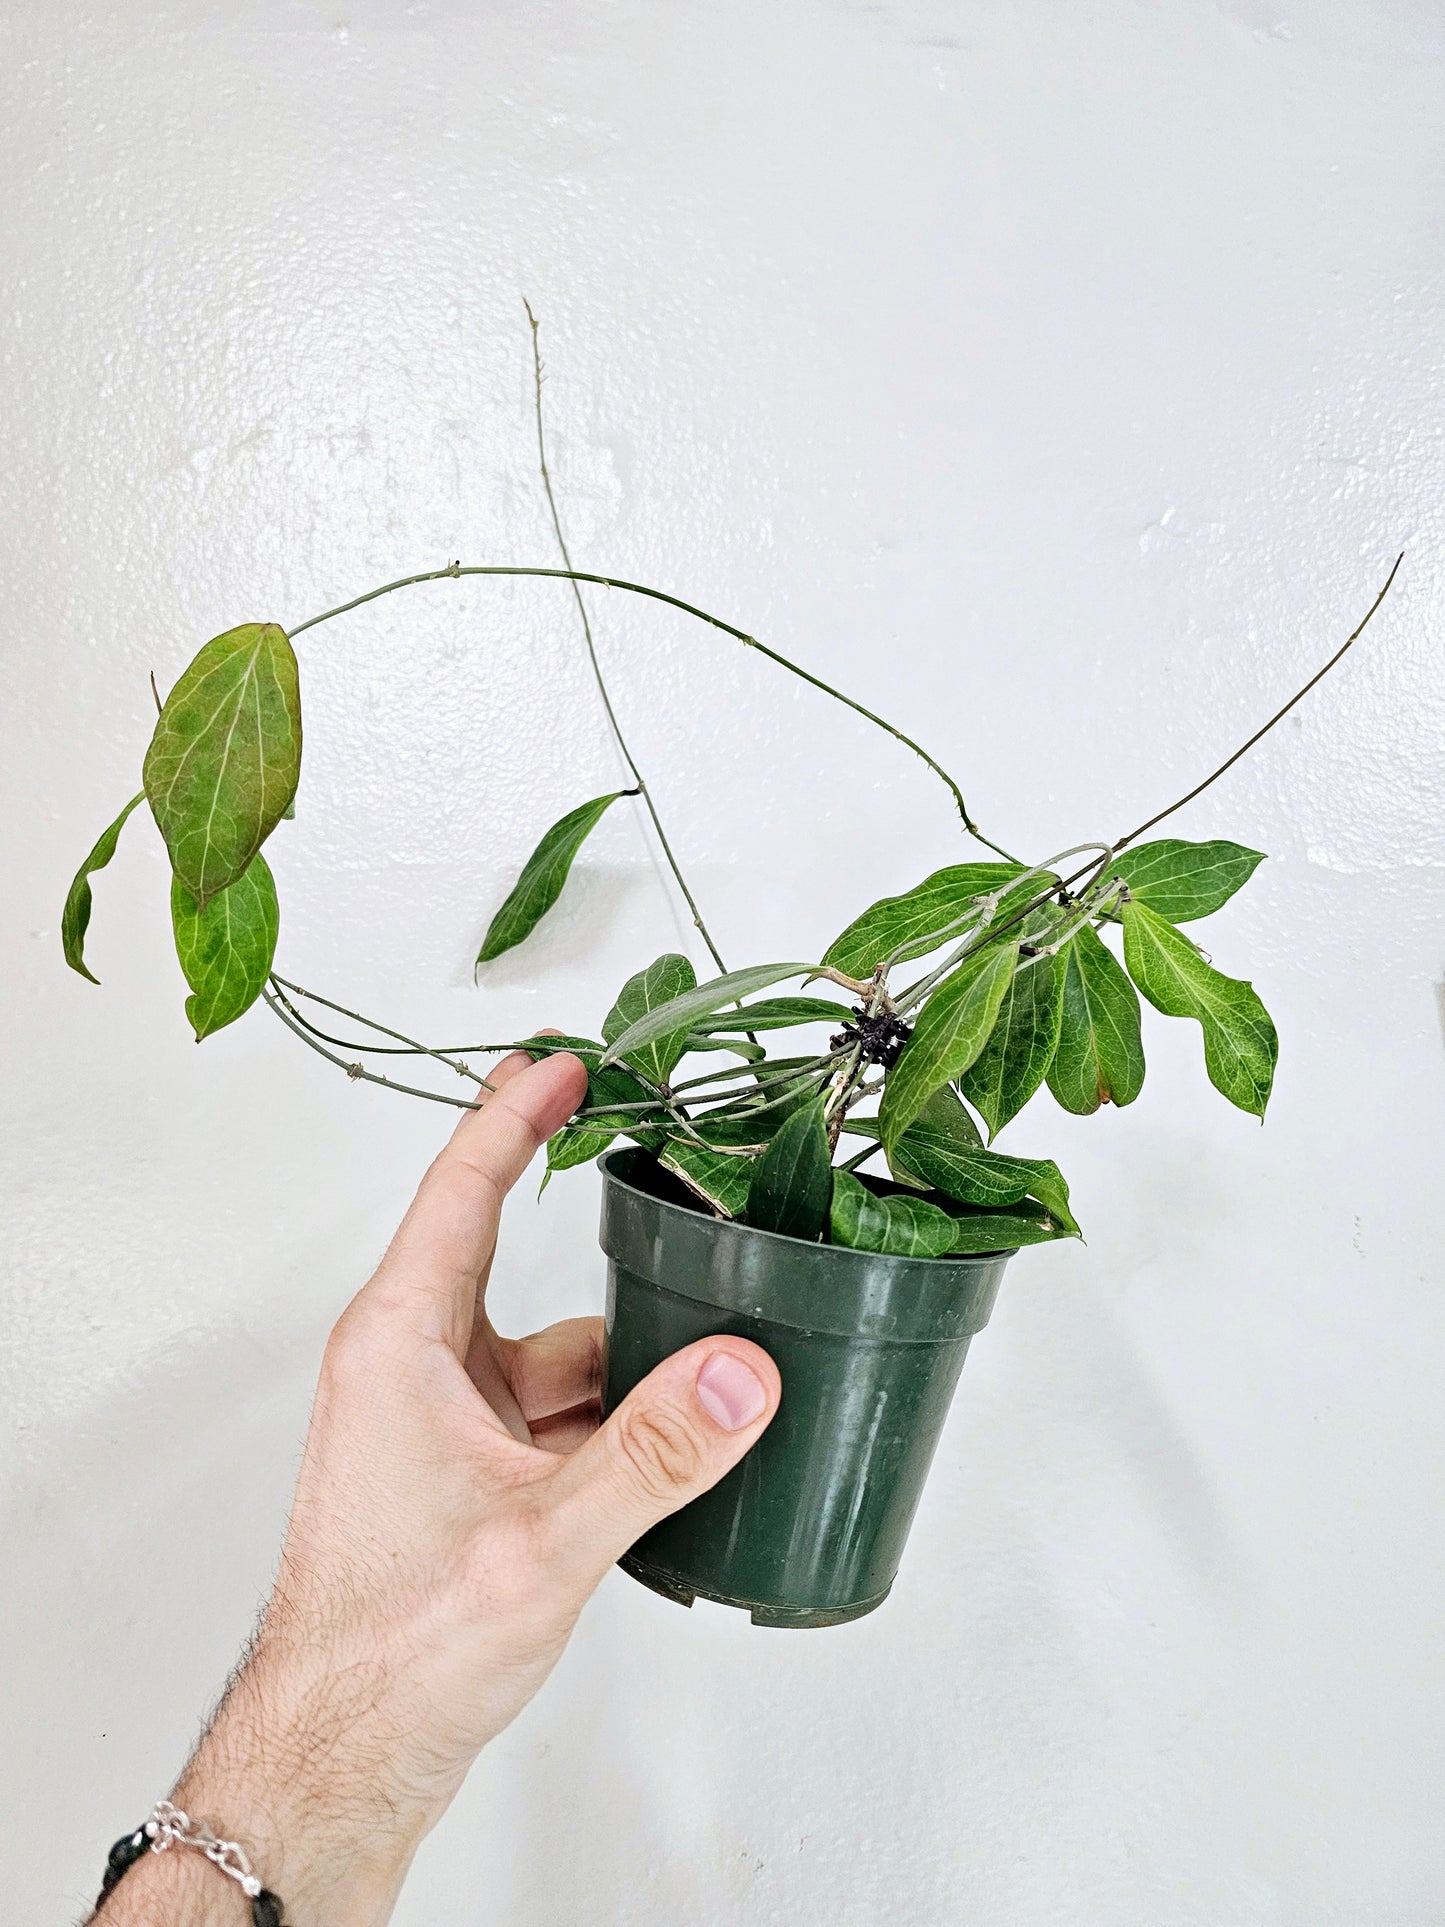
(174, 1886)
(294, 1770)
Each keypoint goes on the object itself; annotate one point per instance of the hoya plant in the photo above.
(855, 1098)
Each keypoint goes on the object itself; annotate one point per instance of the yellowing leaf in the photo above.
(75, 918)
(226, 947)
(225, 758)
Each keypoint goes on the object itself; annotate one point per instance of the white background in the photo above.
(1063, 380)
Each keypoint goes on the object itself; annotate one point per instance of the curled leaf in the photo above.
(777, 1013)
(977, 1229)
(914, 922)
(1021, 1045)
(75, 918)
(939, 1152)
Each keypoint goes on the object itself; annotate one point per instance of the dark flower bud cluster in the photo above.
(878, 1038)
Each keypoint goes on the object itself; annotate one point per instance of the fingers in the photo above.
(565, 1434)
(673, 1437)
(530, 1381)
(447, 1237)
(556, 1370)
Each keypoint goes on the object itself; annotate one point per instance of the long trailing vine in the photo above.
(1016, 989)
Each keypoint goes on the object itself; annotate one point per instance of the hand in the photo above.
(457, 1504)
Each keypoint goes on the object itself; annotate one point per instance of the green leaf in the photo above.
(936, 1150)
(1183, 881)
(543, 874)
(226, 755)
(573, 1144)
(683, 1013)
(951, 1030)
(552, 1044)
(75, 917)
(701, 1040)
(1240, 1042)
(663, 980)
(903, 1227)
(778, 1013)
(917, 919)
(946, 1112)
(946, 1117)
(1020, 1048)
(722, 1180)
(1100, 1056)
(977, 1229)
(792, 1182)
(226, 947)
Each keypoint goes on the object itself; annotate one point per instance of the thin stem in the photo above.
(988, 905)
(1277, 717)
(281, 986)
(455, 570)
(734, 1070)
(745, 1113)
(359, 1072)
(1094, 906)
(615, 726)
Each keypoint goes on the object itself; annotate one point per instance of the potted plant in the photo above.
(832, 1188)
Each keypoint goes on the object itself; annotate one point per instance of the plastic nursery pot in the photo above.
(808, 1530)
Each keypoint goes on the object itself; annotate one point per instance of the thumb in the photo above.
(672, 1437)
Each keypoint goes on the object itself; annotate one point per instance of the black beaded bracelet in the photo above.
(168, 1827)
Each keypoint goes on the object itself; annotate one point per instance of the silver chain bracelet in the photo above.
(168, 1826)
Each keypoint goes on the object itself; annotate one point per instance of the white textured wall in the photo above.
(1064, 377)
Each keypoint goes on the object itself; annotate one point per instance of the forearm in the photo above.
(284, 1772)
(457, 1504)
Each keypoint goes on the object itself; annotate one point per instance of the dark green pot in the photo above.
(809, 1529)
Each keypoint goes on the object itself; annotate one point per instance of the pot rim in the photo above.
(724, 1225)
(858, 1296)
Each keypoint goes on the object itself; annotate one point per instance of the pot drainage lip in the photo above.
(762, 1612)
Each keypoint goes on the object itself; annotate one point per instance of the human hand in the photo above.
(457, 1505)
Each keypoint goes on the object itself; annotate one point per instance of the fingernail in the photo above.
(729, 1392)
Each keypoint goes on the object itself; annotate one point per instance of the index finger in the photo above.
(447, 1236)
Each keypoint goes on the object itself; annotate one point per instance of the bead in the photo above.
(266, 1910)
(127, 1851)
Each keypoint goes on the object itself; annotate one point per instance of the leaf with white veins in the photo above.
(659, 983)
(226, 948)
(1184, 881)
(225, 757)
(1240, 1043)
(543, 874)
(684, 1013)
(951, 1030)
